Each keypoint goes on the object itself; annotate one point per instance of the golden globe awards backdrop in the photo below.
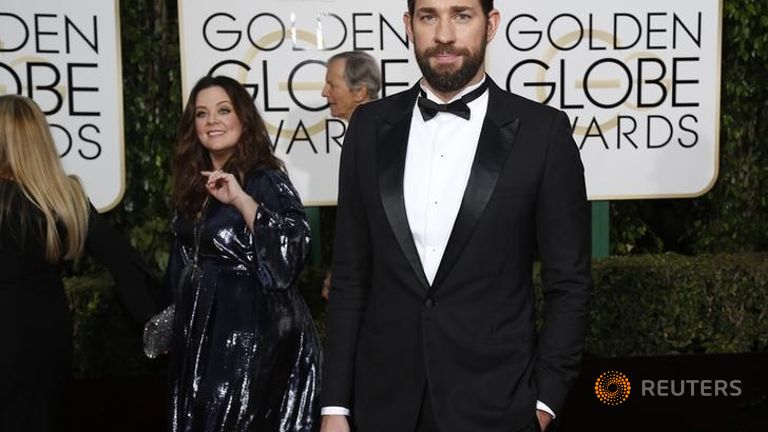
(639, 80)
(66, 56)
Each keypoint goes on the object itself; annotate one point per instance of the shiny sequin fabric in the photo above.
(244, 353)
(157, 333)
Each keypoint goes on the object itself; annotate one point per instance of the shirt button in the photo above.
(429, 303)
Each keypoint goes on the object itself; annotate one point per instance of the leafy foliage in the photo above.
(152, 94)
(669, 304)
(105, 343)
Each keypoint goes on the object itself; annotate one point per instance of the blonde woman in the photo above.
(45, 218)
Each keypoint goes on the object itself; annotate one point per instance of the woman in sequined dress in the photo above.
(46, 219)
(244, 352)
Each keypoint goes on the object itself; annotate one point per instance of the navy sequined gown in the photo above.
(245, 354)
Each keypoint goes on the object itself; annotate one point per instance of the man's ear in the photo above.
(493, 24)
(361, 95)
(408, 27)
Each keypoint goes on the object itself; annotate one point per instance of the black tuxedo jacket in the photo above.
(469, 339)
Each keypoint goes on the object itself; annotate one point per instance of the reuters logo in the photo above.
(612, 388)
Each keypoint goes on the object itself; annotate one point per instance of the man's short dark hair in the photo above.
(486, 4)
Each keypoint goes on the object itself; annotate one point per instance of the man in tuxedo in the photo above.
(448, 192)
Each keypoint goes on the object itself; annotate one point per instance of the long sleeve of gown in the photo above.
(133, 279)
(280, 230)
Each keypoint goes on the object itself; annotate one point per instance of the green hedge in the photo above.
(664, 304)
(642, 305)
(106, 342)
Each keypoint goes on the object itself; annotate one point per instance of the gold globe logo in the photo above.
(612, 388)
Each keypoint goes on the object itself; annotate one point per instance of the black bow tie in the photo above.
(460, 107)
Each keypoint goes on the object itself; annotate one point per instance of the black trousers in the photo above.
(426, 421)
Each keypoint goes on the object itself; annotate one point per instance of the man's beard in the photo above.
(445, 79)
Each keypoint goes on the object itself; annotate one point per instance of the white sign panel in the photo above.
(640, 82)
(66, 56)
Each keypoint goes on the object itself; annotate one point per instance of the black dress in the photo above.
(35, 327)
(245, 354)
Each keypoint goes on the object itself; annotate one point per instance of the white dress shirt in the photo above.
(438, 162)
(437, 165)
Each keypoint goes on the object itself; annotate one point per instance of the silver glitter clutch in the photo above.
(157, 333)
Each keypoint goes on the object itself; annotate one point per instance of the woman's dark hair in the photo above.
(253, 149)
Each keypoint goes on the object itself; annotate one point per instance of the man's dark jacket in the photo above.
(469, 339)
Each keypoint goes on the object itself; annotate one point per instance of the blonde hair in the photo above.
(28, 156)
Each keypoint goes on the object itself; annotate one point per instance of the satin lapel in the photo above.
(392, 146)
(497, 137)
